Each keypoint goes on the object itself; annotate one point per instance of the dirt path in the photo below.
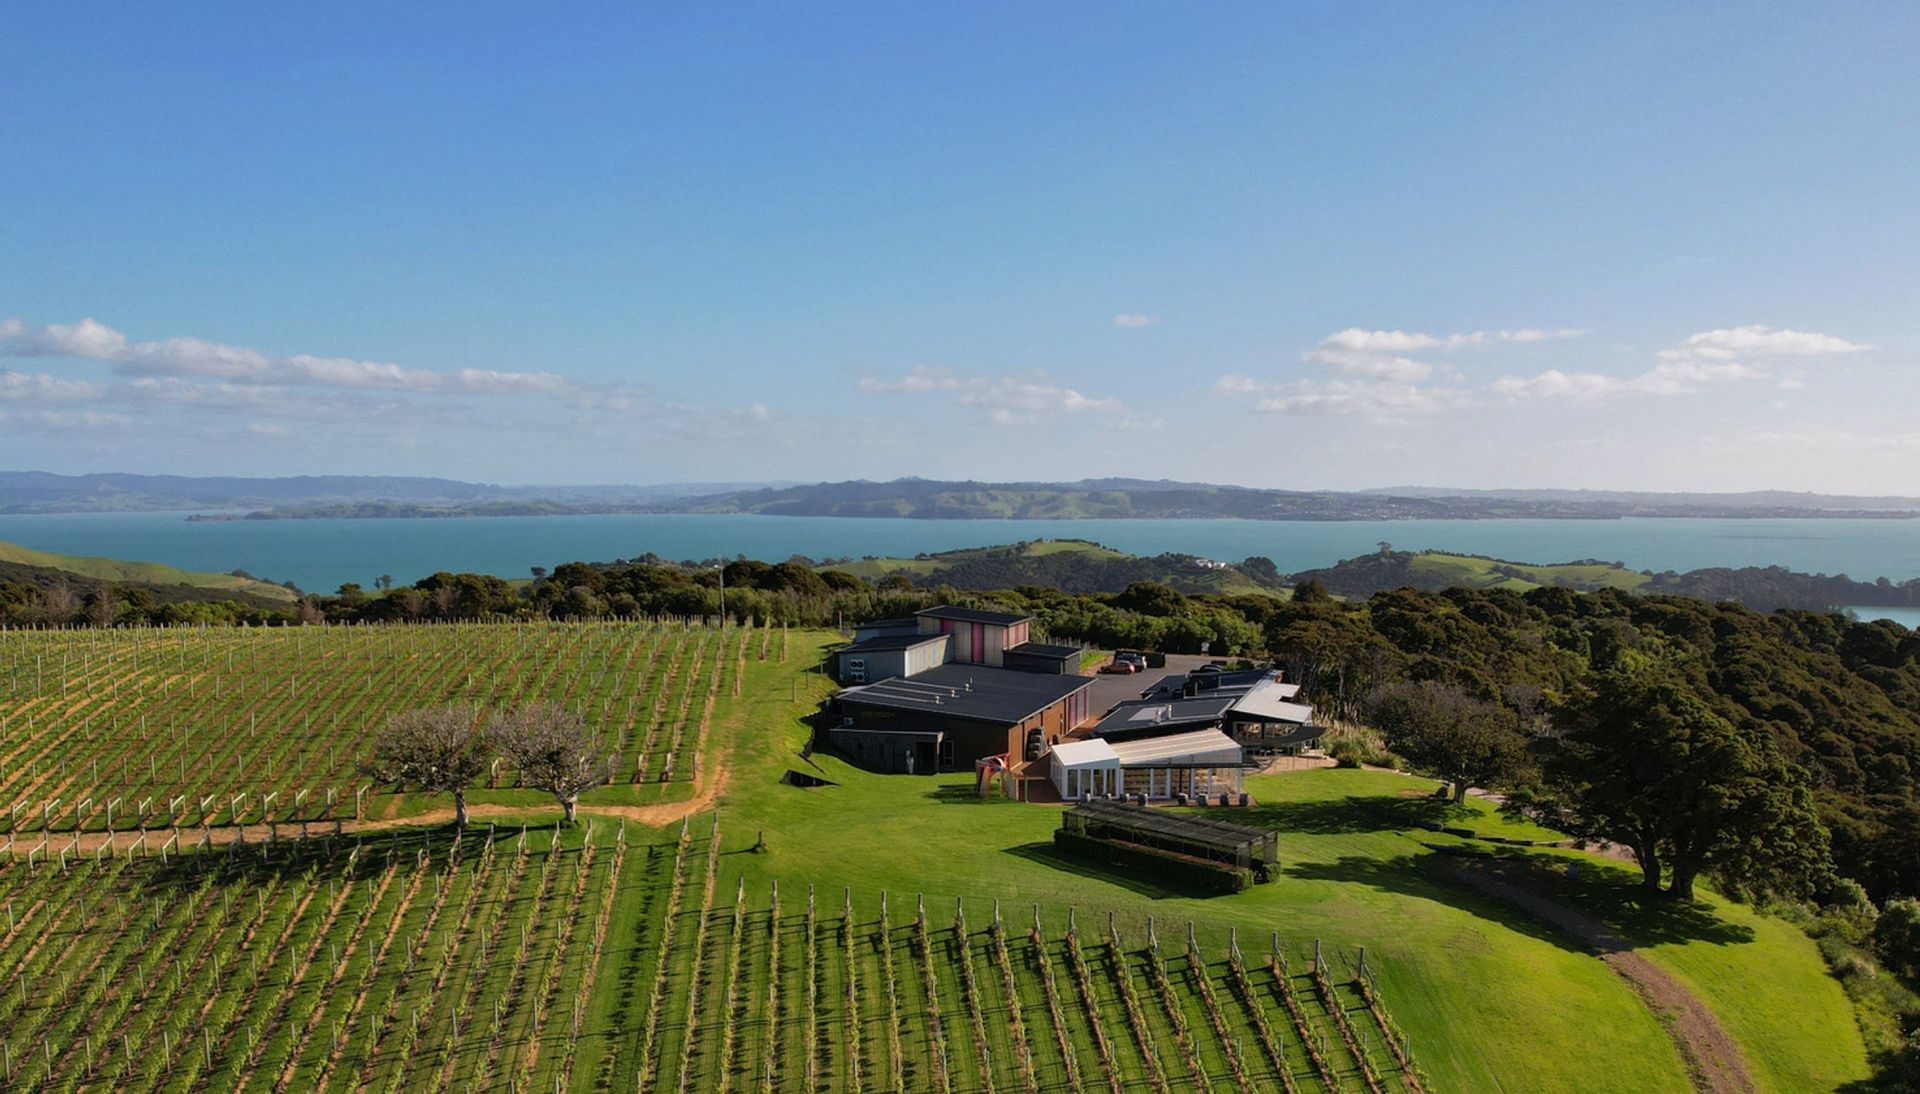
(1713, 1058)
(656, 815)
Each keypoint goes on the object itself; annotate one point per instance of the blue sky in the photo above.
(1305, 245)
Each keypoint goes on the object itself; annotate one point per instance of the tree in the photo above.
(1440, 728)
(552, 749)
(1896, 937)
(442, 750)
(384, 582)
(1645, 763)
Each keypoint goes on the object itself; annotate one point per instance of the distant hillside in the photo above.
(1071, 565)
(929, 499)
(114, 571)
(41, 492)
(1763, 588)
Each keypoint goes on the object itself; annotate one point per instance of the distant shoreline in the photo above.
(429, 513)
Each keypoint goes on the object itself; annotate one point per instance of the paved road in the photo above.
(1109, 690)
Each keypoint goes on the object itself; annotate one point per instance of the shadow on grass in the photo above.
(1640, 919)
(1421, 876)
(961, 794)
(1614, 896)
(257, 861)
(1350, 815)
(1046, 854)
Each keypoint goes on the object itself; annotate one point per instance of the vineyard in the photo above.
(128, 730)
(619, 958)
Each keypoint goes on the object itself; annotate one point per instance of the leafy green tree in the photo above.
(1896, 937)
(1645, 763)
(443, 750)
(1440, 728)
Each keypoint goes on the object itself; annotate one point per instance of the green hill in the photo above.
(143, 573)
(1071, 565)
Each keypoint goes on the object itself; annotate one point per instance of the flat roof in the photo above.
(881, 642)
(1269, 700)
(1093, 753)
(1176, 746)
(974, 615)
(902, 621)
(1042, 649)
(1137, 715)
(975, 692)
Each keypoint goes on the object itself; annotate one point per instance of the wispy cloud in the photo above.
(1760, 341)
(193, 357)
(1013, 399)
(1380, 400)
(1135, 319)
(1696, 362)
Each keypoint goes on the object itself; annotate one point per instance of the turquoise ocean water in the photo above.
(321, 554)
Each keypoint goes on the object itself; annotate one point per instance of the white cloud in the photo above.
(39, 387)
(1356, 341)
(1384, 367)
(194, 357)
(1699, 361)
(1758, 340)
(1135, 319)
(1666, 378)
(1005, 400)
(1377, 399)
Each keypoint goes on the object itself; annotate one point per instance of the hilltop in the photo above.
(1070, 565)
(1763, 588)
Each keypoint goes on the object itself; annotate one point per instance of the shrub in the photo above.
(1896, 937)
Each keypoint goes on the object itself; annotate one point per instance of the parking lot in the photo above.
(1109, 690)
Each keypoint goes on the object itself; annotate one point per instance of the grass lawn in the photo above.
(1487, 995)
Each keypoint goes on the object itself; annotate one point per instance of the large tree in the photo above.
(1644, 762)
(1440, 728)
(442, 750)
(552, 749)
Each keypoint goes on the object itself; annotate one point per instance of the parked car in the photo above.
(1134, 657)
(1118, 667)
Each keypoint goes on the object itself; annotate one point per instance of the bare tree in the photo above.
(552, 749)
(413, 602)
(443, 750)
(59, 602)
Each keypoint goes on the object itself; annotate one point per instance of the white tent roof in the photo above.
(1200, 746)
(1269, 699)
(1092, 753)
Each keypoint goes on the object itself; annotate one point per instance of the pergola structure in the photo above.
(1176, 833)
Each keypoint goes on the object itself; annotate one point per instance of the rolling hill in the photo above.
(1071, 565)
(114, 571)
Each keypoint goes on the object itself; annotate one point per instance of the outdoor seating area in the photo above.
(1196, 850)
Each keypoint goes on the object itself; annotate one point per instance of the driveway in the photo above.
(1107, 691)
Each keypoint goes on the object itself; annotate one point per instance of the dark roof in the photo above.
(969, 691)
(874, 624)
(1150, 717)
(974, 615)
(1236, 682)
(1042, 649)
(882, 642)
